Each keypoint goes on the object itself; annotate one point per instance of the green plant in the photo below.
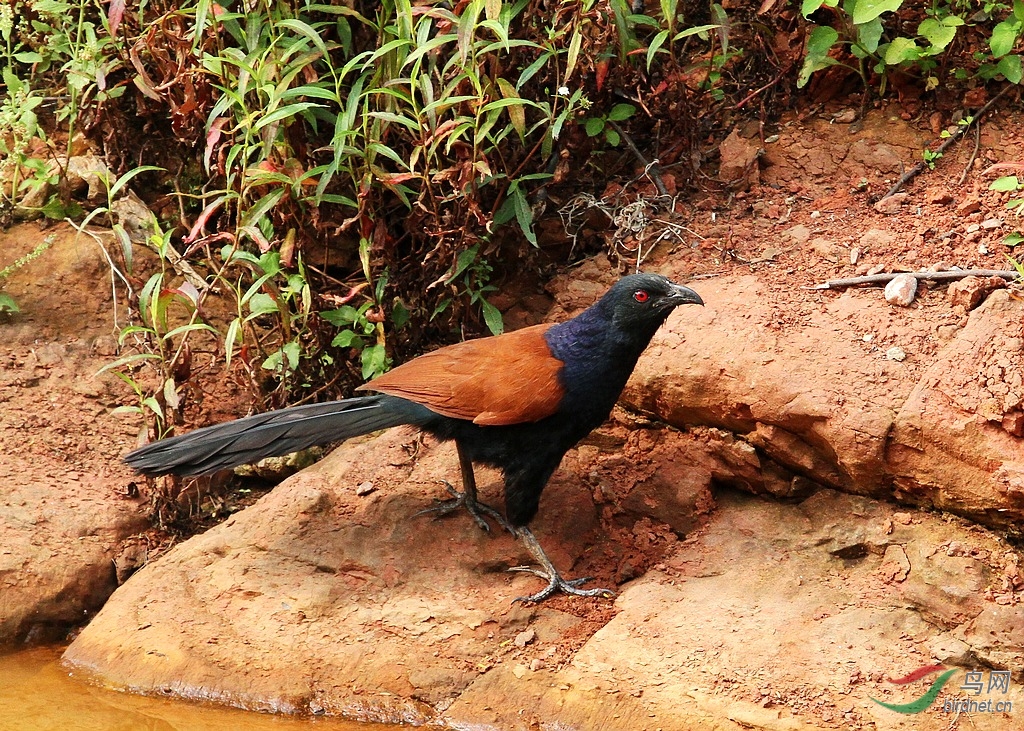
(7, 303)
(668, 34)
(605, 123)
(930, 156)
(20, 126)
(874, 48)
(1011, 184)
(470, 276)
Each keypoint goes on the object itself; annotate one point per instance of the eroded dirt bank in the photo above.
(736, 610)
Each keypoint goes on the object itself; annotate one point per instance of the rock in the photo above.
(525, 637)
(932, 437)
(891, 204)
(799, 234)
(796, 599)
(968, 206)
(901, 290)
(896, 353)
(57, 553)
(90, 174)
(941, 197)
(739, 160)
(969, 292)
(949, 448)
(876, 237)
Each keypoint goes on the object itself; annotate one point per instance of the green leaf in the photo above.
(1010, 67)
(939, 33)
(341, 317)
(234, 337)
(374, 360)
(593, 126)
(1007, 183)
(612, 136)
(620, 112)
(1004, 36)
(819, 43)
(866, 10)
(290, 110)
(492, 316)
(261, 304)
(347, 339)
(462, 262)
(809, 6)
(901, 50)
(7, 303)
(656, 43)
(305, 30)
(869, 35)
(1013, 239)
(574, 52)
(261, 208)
(524, 215)
(697, 30)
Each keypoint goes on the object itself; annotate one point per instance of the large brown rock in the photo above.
(59, 537)
(392, 615)
(767, 616)
(816, 394)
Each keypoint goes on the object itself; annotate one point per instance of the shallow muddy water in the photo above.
(37, 694)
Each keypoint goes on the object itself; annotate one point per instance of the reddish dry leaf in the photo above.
(200, 223)
(212, 138)
(114, 15)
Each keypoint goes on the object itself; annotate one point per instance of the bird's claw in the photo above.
(557, 584)
(473, 506)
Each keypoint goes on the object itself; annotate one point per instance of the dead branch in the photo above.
(952, 276)
(960, 132)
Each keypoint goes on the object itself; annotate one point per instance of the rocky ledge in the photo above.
(736, 609)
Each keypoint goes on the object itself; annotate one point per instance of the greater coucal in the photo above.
(517, 401)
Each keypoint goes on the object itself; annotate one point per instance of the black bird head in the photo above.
(643, 301)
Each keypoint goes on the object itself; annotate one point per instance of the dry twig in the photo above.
(960, 132)
(952, 276)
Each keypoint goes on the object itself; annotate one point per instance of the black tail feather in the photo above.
(274, 433)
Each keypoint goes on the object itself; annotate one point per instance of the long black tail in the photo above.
(274, 433)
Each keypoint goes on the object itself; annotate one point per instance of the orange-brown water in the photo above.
(37, 694)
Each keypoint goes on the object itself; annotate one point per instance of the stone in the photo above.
(767, 602)
(968, 206)
(949, 448)
(739, 160)
(969, 292)
(891, 204)
(901, 290)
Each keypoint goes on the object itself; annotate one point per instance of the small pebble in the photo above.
(992, 223)
(365, 489)
(901, 290)
(896, 353)
(982, 248)
(525, 637)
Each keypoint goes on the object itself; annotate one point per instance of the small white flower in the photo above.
(563, 91)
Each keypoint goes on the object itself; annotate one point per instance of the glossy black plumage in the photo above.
(517, 402)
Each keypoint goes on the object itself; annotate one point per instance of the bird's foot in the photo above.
(557, 584)
(473, 506)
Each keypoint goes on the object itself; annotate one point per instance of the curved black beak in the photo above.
(680, 295)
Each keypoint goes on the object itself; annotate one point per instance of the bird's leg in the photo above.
(467, 498)
(548, 571)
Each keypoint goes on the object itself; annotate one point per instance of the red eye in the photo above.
(641, 295)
